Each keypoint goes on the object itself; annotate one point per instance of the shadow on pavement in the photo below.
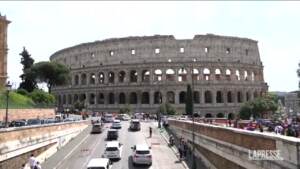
(130, 165)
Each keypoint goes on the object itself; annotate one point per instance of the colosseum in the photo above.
(144, 72)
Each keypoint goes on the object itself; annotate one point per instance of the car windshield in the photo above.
(111, 148)
(136, 122)
(143, 152)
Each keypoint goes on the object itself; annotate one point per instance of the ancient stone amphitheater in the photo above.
(144, 72)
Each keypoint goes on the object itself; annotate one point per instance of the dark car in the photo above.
(34, 122)
(112, 134)
(97, 128)
(18, 123)
(135, 125)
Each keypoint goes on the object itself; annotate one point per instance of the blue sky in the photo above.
(45, 27)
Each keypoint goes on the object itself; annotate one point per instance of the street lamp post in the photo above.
(194, 166)
(8, 88)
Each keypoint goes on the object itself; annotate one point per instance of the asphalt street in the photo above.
(77, 153)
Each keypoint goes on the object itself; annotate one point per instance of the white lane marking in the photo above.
(91, 154)
(71, 151)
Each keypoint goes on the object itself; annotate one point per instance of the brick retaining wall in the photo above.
(16, 114)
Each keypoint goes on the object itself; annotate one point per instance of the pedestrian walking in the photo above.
(180, 149)
(38, 165)
(185, 148)
(32, 161)
(150, 132)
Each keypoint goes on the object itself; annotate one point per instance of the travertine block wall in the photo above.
(16, 114)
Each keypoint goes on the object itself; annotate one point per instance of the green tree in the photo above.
(52, 73)
(79, 105)
(28, 82)
(258, 106)
(41, 97)
(126, 109)
(189, 105)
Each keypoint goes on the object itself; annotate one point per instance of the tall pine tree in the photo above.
(189, 105)
(28, 81)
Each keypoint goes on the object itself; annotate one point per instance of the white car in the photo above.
(99, 163)
(141, 154)
(116, 124)
(113, 150)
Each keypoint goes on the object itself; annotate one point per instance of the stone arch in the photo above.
(157, 75)
(220, 115)
(145, 76)
(76, 98)
(101, 78)
(237, 75)
(122, 76)
(252, 76)
(82, 97)
(206, 74)
(182, 97)
(170, 75)
(92, 79)
(219, 97)
(170, 97)
(133, 98)
(122, 98)
(231, 116)
(92, 98)
(111, 98)
(208, 115)
(208, 97)
(195, 74)
(246, 78)
(76, 80)
(239, 97)
(182, 75)
(133, 76)
(228, 74)
(229, 97)
(101, 99)
(69, 99)
(218, 74)
(145, 98)
(64, 99)
(83, 79)
(247, 96)
(196, 97)
(111, 77)
(157, 98)
(255, 95)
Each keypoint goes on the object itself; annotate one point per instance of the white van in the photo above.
(99, 163)
(113, 150)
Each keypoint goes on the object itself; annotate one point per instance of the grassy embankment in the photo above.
(15, 100)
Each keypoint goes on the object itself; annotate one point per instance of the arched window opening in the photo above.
(247, 96)
(82, 97)
(170, 75)
(69, 99)
(196, 97)
(239, 97)
(122, 98)
(255, 94)
(157, 98)
(101, 78)
(220, 115)
(170, 97)
(182, 75)
(146, 76)
(76, 98)
(157, 75)
(229, 97)
(195, 74)
(64, 99)
(252, 76)
(228, 74)
(133, 98)
(208, 115)
(100, 98)
(133, 76)
(219, 97)
(83, 79)
(208, 97)
(92, 98)
(182, 97)
(246, 76)
(122, 76)
(206, 74)
(218, 74)
(111, 98)
(111, 77)
(76, 80)
(237, 75)
(92, 78)
(145, 98)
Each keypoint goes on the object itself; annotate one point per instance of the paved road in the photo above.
(77, 153)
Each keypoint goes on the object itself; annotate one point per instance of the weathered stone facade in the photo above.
(3, 49)
(147, 71)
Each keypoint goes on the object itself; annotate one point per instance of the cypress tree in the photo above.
(28, 81)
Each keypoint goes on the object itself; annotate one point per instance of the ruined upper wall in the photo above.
(206, 48)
